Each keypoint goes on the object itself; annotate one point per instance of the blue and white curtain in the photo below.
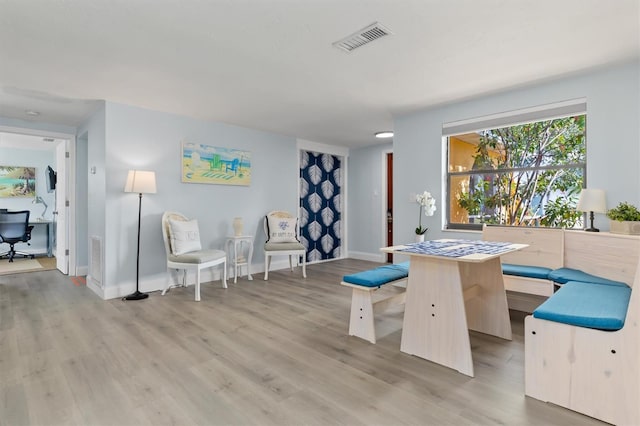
(320, 205)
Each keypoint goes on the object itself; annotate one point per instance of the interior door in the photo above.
(60, 214)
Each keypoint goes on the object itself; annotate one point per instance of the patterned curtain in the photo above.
(320, 205)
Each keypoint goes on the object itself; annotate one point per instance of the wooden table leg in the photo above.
(435, 323)
(487, 311)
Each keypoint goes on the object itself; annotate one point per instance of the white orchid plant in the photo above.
(428, 204)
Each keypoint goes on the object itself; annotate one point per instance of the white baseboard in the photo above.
(93, 285)
(157, 282)
(82, 271)
(372, 257)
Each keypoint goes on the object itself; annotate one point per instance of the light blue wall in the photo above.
(613, 140)
(82, 195)
(90, 211)
(366, 198)
(40, 160)
(147, 140)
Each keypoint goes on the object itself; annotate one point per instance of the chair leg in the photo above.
(198, 285)
(291, 263)
(304, 265)
(224, 274)
(267, 262)
(167, 284)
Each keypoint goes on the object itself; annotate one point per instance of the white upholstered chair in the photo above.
(280, 227)
(188, 260)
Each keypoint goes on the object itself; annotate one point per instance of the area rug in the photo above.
(25, 265)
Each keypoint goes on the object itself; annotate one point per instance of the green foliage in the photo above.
(561, 213)
(528, 165)
(624, 212)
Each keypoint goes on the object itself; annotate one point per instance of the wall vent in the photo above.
(95, 263)
(362, 37)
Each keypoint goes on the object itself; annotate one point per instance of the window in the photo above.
(526, 174)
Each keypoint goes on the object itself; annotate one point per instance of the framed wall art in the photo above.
(17, 181)
(215, 165)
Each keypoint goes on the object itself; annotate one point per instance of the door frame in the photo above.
(69, 170)
(383, 204)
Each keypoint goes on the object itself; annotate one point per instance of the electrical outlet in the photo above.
(412, 197)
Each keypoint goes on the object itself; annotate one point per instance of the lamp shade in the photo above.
(141, 181)
(592, 200)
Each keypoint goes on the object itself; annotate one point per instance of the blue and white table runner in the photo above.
(457, 248)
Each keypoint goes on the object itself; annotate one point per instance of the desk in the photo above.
(238, 259)
(454, 286)
(49, 229)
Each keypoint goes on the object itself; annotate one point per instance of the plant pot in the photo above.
(419, 238)
(626, 227)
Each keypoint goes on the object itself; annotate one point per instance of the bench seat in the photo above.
(526, 271)
(363, 306)
(564, 275)
(379, 276)
(590, 305)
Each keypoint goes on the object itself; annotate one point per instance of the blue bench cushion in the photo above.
(526, 271)
(564, 275)
(597, 306)
(379, 276)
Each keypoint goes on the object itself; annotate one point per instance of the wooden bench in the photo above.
(363, 306)
(582, 348)
(545, 251)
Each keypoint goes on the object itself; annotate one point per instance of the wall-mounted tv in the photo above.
(52, 178)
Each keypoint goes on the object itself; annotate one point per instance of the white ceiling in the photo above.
(270, 64)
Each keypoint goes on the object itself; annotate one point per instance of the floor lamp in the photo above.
(142, 182)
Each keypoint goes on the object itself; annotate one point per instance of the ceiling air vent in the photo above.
(362, 37)
(48, 140)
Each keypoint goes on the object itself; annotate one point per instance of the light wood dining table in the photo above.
(454, 286)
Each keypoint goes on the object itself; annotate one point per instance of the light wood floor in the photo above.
(263, 353)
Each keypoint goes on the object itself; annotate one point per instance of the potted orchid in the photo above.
(428, 205)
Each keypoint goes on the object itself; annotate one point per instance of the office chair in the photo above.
(14, 228)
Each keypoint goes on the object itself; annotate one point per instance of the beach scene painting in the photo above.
(17, 182)
(215, 165)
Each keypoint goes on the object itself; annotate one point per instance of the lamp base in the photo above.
(136, 296)
(592, 230)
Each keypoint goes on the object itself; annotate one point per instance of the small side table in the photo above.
(238, 259)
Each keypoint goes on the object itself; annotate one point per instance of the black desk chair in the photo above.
(14, 228)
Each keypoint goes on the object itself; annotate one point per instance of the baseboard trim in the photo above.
(372, 257)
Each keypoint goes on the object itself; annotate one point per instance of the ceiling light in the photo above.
(32, 113)
(384, 135)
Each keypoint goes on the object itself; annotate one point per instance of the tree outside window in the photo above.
(529, 174)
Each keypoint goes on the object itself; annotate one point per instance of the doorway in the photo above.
(46, 152)
(389, 207)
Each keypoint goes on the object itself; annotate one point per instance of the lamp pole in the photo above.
(138, 295)
(141, 182)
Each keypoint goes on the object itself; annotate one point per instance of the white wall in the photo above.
(136, 138)
(90, 208)
(367, 167)
(40, 160)
(613, 141)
